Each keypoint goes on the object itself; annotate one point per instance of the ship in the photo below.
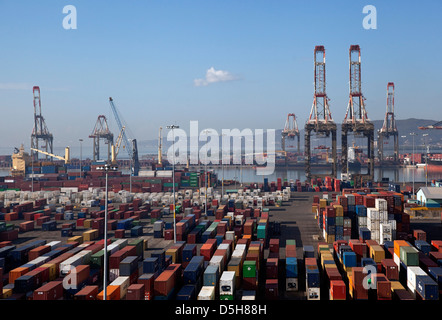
(353, 163)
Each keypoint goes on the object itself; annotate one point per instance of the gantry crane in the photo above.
(320, 121)
(290, 130)
(131, 148)
(389, 127)
(101, 131)
(437, 125)
(356, 120)
(40, 131)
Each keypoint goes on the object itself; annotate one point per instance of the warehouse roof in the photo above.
(432, 192)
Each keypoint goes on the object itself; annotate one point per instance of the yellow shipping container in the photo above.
(52, 270)
(87, 223)
(330, 238)
(322, 203)
(396, 285)
(90, 235)
(7, 293)
(78, 239)
(377, 253)
(339, 210)
(174, 253)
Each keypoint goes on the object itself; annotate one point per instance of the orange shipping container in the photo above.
(398, 244)
(112, 293)
(17, 273)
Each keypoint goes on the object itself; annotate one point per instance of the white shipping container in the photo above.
(217, 261)
(227, 283)
(412, 272)
(206, 293)
(225, 246)
(313, 294)
(230, 235)
(373, 213)
(248, 295)
(381, 204)
(123, 283)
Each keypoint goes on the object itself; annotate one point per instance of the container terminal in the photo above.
(86, 231)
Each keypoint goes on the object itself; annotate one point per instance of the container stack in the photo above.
(312, 282)
(291, 266)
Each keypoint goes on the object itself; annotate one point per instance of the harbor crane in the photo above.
(389, 127)
(116, 147)
(131, 147)
(356, 120)
(66, 157)
(320, 121)
(290, 130)
(40, 131)
(437, 125)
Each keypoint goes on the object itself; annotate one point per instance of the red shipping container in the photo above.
(41, 275)
(337, 290)
(120, 233)
(80, 222)
(51, 291)
(135, 292)
(272, 268)
(390, 269)
(26, 226)
(333, 274)
(9, 235)
(42, 219)
(148, 283)
(87, 293)
(249, 283)
(36, 252)
(271, 289)
(274, 245)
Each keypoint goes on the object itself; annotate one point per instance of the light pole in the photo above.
(205, 175)
(32, 168)
(222, 167)
(81, 155)
(414, 162)
(106, 168)
(172, 127)
(403, 172)
(426, 157)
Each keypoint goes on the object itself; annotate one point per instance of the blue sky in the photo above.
(147, 55)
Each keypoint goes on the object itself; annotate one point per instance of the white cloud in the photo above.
(213, 76)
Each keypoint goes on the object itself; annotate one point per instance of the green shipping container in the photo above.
(139, 246)
(339, 221)
(249, 269)
(290, 242)
(409, 256)
(136, 223)
(261, 233)
(226, 297)
(171, 184)
(97, 260)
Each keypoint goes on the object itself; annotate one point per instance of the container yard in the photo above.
(282, 244)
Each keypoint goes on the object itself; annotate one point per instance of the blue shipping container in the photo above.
(313, 279)
(187, 292)
(427, 288)
(150, 265)
(291, 267)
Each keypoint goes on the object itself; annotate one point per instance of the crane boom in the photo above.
(131, 148)
(65, 158)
